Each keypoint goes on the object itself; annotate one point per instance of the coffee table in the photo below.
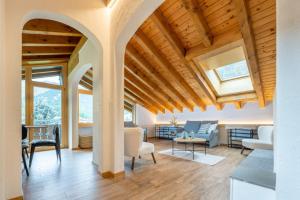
(192, 141)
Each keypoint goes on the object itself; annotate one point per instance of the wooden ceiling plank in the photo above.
(237, 97)
(46, 49)
(173, 39)
(219, 42)
(46, 54)
(140, 85)
(145, 65)
(200, 23)
(129, 86)
(49, 27)
(43, 40)
(251, 54)
(87, 80)
(131, 96)
(43, 61)
(154, 87)
(147, 45)
(163, 25)
(84, 84)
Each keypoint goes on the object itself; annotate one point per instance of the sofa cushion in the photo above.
(192, 126)
(212, 128)
(205, 136)
(203, 129)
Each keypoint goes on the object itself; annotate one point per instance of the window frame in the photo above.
(84, 124)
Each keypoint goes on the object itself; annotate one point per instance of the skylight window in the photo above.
(233, 71)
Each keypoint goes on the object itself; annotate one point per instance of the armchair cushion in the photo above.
(256, 144)
(146, 148)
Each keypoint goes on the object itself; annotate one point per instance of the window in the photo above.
(56, 80)
(85, 108)
(233, 71)
(128, 115)
(47, 106)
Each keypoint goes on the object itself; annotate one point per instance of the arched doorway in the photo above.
(52, 50)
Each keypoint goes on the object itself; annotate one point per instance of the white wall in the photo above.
(249, 114)
(111, 29)
(2, 69)
(145, 119)
(288, 100)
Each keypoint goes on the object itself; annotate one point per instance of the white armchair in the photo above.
(134, 145)
(264, 141)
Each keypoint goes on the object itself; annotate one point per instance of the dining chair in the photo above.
(54, 141)
(25, 146)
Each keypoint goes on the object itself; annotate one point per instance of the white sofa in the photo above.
(264, 141)
(134, 145)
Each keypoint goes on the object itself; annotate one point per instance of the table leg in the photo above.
(205, 147)
(185, 146)
(193, 151)
(172, 147)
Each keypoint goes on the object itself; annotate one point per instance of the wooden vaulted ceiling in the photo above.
(161, 68)
(47, 41)
(161, 72)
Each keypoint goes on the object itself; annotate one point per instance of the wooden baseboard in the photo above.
(109, 174)
(17, 198)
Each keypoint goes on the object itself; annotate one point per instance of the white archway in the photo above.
(85, 62)
(135, 20)
(87, 59)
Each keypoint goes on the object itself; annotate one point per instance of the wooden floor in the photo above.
(171, 178)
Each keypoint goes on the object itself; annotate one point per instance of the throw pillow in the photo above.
(212, 128)
(204, 128)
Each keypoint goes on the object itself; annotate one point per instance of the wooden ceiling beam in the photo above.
(129, 86)
(43, 61)
(74, 58)
(144, 88)
(219, 42)
(251, 54)
(164, 26)
(172, 38)
(132, 97)
(141, 74)
(35, 50)
(46, 40)
(46, 54)
(49, 27)
(194, 10)
(146, 66)
(147, 45)
(85, 79)
(86, 85)
(237, 97)
(238, 105)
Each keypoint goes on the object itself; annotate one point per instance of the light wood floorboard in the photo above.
(76, 178)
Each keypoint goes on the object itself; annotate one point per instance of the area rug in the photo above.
(199, 156)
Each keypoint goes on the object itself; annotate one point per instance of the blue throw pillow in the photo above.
(204, 128)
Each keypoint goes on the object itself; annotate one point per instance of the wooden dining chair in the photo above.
(47, 142)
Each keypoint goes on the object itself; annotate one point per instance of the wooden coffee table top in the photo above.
(190, 140)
